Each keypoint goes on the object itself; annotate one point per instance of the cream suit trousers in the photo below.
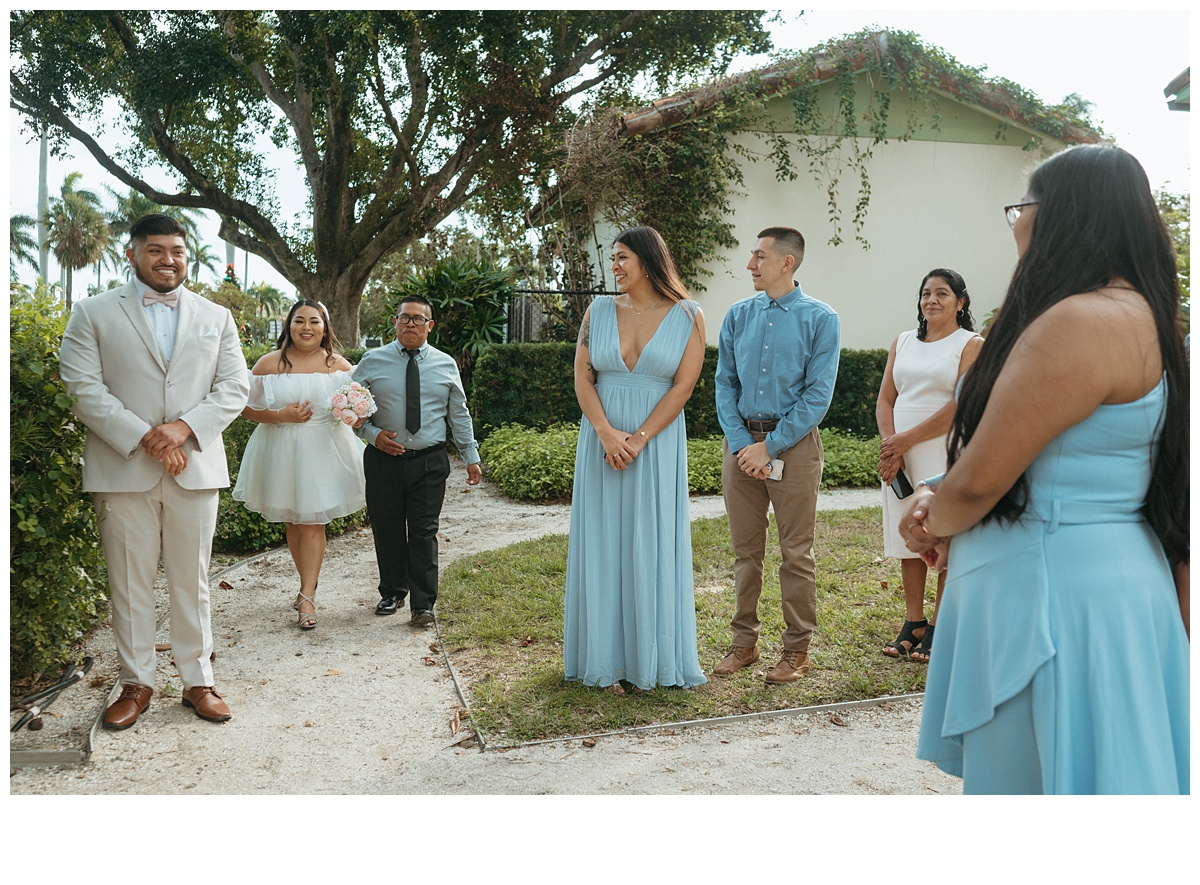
(135, 529)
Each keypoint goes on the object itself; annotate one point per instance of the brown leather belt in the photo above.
(761, 426)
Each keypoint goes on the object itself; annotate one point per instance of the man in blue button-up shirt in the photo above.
(776, 367)
(406, 469)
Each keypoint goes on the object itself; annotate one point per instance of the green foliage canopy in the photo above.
(398, 117)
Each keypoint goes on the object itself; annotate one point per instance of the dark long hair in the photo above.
(648, 245)
(328, 341)
(1096, 221)
(959, 287)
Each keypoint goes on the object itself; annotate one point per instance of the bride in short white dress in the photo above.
(307, 473)
(301, 467)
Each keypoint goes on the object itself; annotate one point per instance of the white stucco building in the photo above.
(936, 200)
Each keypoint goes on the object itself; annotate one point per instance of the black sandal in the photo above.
(924, 647)
(900, 650)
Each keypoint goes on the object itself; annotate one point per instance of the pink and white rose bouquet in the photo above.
(352, 401)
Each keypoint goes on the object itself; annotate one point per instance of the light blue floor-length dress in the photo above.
(629, 611)
(1061, 633)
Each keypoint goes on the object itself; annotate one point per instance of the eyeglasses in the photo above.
(1013, 212)
(407, 319)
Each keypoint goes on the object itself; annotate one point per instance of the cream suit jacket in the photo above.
(110, 362)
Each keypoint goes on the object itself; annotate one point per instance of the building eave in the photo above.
(784, 77)
(1179, 91)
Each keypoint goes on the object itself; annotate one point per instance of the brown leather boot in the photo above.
(126, 709)
(739, 656)
(792, 665)
(207, 703)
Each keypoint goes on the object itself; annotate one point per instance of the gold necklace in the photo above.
(656, 305)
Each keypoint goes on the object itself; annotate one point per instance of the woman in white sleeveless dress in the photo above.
(914, 412)
(301, 467)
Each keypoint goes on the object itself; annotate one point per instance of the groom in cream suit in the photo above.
(157, 373)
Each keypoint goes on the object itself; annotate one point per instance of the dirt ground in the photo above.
(367, 697)
(340, 759)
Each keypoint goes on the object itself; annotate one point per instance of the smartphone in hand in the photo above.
(901, 486)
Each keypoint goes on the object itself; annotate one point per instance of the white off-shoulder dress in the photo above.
(306, 474)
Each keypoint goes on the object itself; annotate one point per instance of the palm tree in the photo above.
(22, 245)
(202, 257)
(131, 207)
(270, 300)
(79, 231)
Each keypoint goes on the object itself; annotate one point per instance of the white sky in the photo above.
(1120, 61)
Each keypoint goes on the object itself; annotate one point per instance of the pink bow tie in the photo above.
(170, 299)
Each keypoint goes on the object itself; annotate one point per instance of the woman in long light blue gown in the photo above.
(1062, 662)
(629, 610)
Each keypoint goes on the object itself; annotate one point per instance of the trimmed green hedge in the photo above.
(533, 385)
(56, 569)
(528, 464)
(860, 372)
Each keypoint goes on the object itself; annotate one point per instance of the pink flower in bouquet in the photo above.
(352, 402)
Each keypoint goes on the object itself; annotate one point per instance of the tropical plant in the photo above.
(399, 118)
(79, 231)
(470, 303)
(22, 245)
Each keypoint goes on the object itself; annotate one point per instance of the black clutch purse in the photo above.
(901, 486)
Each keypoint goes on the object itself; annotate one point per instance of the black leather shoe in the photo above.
(421, 618)
(388, 605)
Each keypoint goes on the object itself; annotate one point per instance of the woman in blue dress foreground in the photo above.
(1062, 662)
(629, 613)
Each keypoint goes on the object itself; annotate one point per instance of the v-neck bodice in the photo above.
(659, 358)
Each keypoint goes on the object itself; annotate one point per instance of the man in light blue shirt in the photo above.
(419, 393)
(776, 367)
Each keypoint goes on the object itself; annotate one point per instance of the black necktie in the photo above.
(412, 393)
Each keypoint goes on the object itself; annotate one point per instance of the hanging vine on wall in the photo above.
(673, 165)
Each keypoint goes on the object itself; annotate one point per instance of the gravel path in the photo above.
(355, 708)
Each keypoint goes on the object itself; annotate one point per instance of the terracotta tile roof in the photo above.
(993, 96)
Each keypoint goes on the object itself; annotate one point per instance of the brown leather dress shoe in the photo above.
(126, 709)
(739, 656)
(207, 703)
(792, 665)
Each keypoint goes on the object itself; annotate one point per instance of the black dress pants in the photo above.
(404, 501)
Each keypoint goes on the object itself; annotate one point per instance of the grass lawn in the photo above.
(500, 615)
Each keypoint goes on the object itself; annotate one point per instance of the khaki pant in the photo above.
(135, 528)
(794, 499)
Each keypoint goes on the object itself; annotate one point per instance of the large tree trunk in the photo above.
(342, 299)
(67, 285)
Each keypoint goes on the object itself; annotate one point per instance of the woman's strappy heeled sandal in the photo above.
(308, 620)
